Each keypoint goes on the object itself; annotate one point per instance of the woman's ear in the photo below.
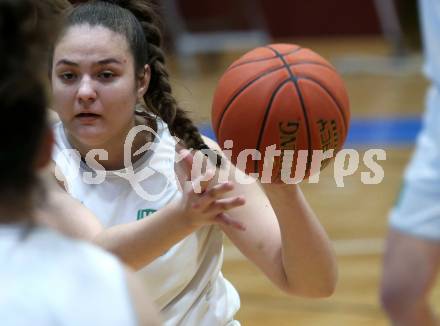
(44, 155)
(144, 82)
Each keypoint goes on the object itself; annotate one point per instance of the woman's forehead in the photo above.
(94, 42)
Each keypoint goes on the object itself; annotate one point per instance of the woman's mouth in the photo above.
(87, 117)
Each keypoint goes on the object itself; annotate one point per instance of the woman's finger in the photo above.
(225, 204)
(212, 194)
(224, 219)
(200, 184)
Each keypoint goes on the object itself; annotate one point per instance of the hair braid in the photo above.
(159, 97)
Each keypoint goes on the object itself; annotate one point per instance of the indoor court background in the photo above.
(382, 71)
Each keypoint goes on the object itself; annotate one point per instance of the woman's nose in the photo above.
(86, 91)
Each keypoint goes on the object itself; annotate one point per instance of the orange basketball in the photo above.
(285, 96)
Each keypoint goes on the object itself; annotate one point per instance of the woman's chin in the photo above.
(89, 137)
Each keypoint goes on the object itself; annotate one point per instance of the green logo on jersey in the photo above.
(144, 212)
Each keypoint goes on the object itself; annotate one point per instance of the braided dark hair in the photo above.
(138, 21)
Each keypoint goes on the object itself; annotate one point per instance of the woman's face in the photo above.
(94, 85)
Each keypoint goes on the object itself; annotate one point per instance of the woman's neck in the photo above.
(115, 147)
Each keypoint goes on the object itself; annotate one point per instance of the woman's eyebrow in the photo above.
(100, 62)
(66, 62)
(109, 61)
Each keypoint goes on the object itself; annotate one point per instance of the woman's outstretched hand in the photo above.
(204, 200)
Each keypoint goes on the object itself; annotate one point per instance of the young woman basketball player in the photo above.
(46, 278)
(108, 77)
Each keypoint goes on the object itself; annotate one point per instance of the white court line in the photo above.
(346, 247)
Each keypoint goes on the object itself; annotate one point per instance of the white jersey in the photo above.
(47, 279)
(430, 23)
(185, 282)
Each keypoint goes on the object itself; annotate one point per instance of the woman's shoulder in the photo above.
(77, 260)
(60, 246)
(47, 251)
(84, 275)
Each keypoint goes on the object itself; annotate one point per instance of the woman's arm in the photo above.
(283, 237)
(63, 213)
(140, 242)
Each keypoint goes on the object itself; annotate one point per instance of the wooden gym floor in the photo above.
(354, 216)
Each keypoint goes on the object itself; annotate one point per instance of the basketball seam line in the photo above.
(266, 114)
(263, 74)
(263, 59)
(302, 61)
(241, 90)
(338, 105)
(294, 80)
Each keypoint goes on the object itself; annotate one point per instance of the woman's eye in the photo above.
(67, 76)
(106, 75)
